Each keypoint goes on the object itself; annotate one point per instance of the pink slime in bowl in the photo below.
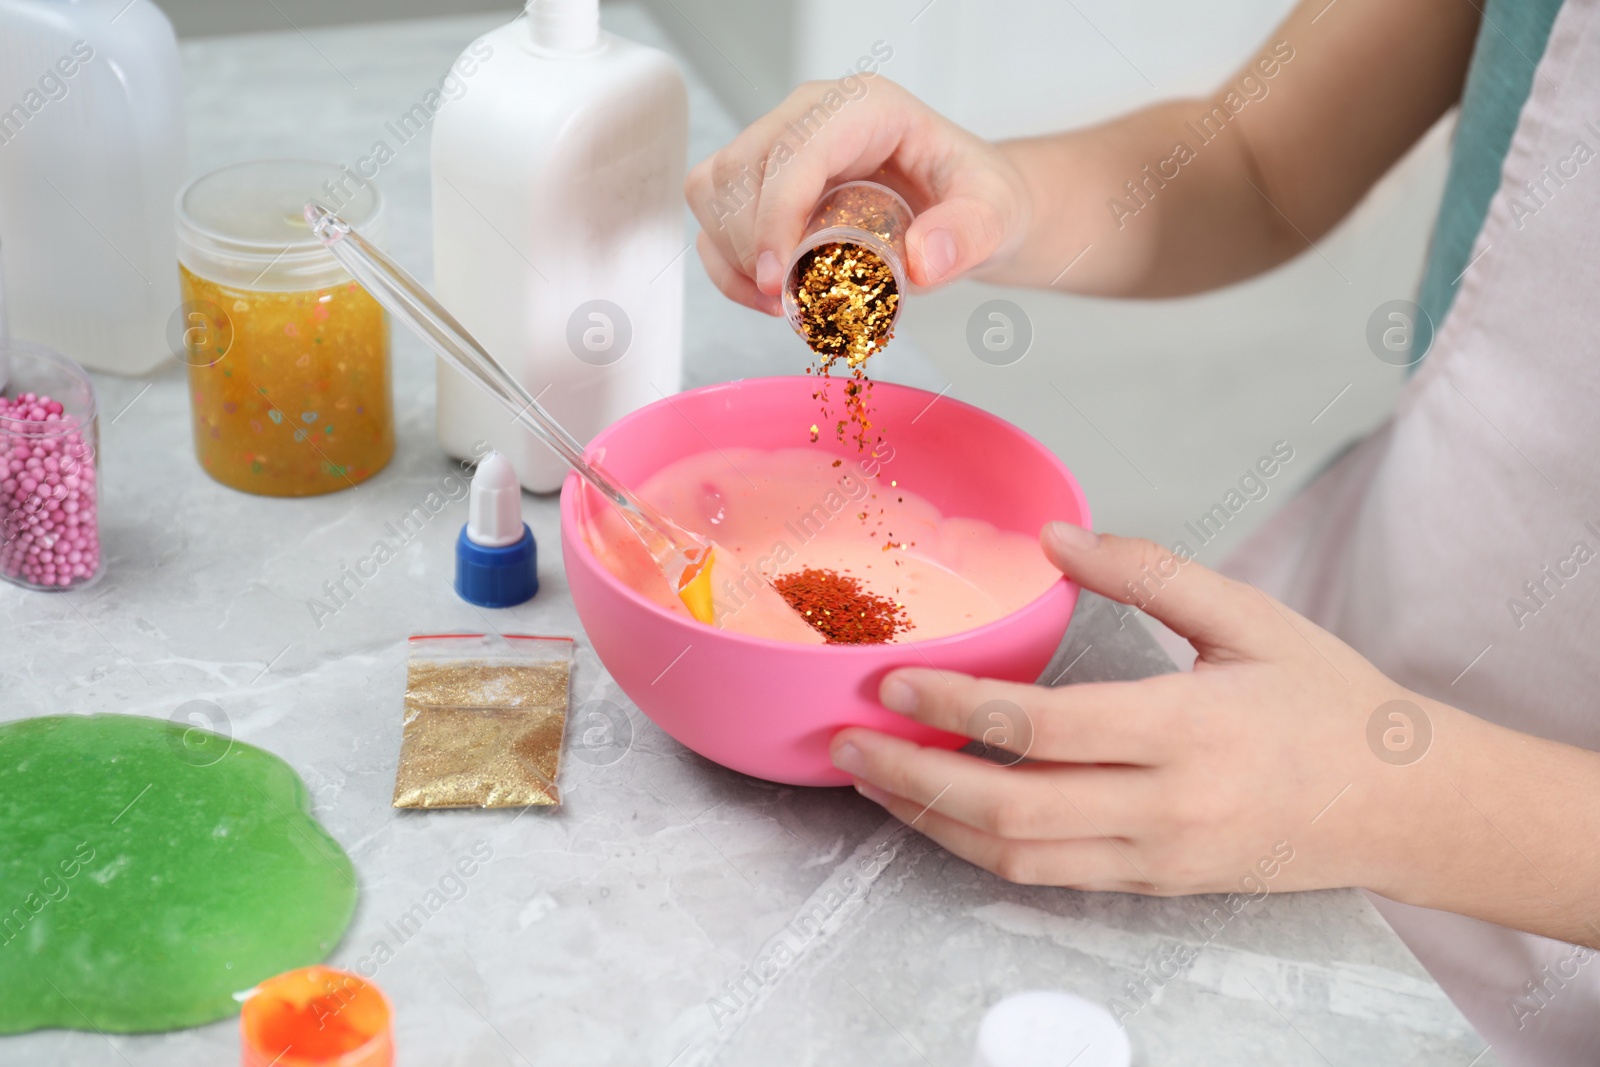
(769, 708)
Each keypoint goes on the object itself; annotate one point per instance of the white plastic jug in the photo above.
(91, 157)
(558, 229)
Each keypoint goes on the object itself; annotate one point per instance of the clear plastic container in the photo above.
(285, 1021)
(49, 471)
(91, 154)
(289, 377)
(866, 215)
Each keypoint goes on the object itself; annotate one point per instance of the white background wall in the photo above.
(204, 18)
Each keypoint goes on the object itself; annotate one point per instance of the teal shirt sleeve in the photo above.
(1511, 41)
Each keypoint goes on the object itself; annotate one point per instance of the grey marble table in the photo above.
(625, 927)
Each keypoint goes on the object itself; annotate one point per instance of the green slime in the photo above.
(149, 871)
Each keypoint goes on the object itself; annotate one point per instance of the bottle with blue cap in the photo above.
(496, 558)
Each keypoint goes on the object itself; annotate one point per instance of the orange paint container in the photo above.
(316, 1017)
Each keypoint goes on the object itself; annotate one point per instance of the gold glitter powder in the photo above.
(483, 732)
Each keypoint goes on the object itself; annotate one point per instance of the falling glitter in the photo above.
(847, 296)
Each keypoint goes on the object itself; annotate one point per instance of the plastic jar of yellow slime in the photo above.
(288, 357)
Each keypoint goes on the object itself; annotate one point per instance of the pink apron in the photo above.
(1458, 547)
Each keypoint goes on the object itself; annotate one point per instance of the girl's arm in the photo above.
(1220, 188)
(1193, 194)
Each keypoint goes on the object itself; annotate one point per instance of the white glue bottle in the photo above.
(558, 233)
(91, 157)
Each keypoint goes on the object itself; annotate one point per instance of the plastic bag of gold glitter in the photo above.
(484, 721)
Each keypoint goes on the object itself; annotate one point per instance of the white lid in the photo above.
(1046, 1029)
(494, 508)
(244, 225)
(564, 25)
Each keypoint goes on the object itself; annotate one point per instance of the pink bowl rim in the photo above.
(572, 535)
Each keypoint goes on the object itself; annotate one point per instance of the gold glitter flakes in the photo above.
(842, 292)
(847, 297)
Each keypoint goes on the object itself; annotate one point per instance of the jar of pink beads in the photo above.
(49, 476)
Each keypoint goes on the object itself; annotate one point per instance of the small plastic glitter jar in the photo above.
(316, 1017)
(289, 378)
(859, 215)
(49, 470)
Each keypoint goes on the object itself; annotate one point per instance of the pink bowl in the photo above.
(769, 708)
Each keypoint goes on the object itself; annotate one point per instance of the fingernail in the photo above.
(1069, 535)
(848, 759)
(872, 793)
(897, 694)
(769, 273)
(939, 253)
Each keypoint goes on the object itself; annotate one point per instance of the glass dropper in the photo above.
(683, 556)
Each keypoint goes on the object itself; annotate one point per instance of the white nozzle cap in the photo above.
(494, 510)
(1045, 1029)
(564, 25)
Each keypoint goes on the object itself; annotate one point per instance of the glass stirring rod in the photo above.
(683, 556)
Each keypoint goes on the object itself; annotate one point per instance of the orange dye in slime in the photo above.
(300, 402)
(316, 1017)
(781, 512)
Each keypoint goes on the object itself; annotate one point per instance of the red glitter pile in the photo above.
(839, 608)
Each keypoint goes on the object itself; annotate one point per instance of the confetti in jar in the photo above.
(49, 480)
(842, 292)
(288, 357)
